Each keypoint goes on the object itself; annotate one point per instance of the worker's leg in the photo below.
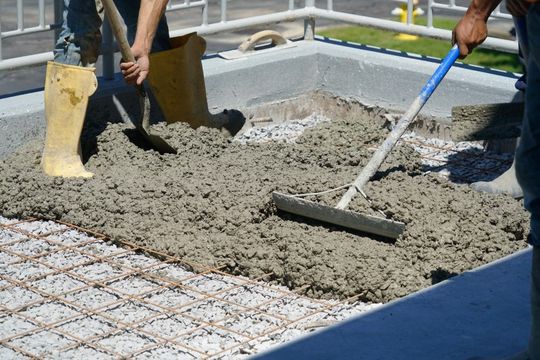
(506, 183)
(534, 344)
(520, 23)
(80, 39)
(129, 9)
(528, 167)
(69, 82)
(528, 151)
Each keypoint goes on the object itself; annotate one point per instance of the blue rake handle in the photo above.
(382, 152)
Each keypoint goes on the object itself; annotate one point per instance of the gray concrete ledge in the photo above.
(368, 75)
(479, 315)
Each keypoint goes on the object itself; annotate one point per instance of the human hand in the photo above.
(135, 72)
(470, 32)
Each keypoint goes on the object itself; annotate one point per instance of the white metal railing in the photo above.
(451, 6)
(309, 13)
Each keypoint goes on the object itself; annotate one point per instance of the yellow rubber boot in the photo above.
(177, 81)
(67, 89)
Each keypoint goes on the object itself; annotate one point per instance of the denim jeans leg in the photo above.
(528, 151)
(80, 39)
(534, 343)
(528, 167)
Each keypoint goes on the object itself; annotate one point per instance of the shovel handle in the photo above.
(118, 29)
(382, 152)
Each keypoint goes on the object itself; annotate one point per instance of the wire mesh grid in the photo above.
(463, 162)
(67, 292)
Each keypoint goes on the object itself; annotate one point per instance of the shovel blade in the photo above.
(346, 218)
(161, 145)
(144, 126)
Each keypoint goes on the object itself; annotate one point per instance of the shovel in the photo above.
(143, 126)
(339, 215)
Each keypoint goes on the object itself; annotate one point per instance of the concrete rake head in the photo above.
(339, 215)
(346, 218)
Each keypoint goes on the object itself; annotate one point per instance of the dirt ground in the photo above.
(211, 204)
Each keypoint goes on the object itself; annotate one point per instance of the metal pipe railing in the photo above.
(246, 23)
(309, 22)
(41, 13)
(430, 14)
(205, 14)
(309, 13)
(490, 43)
(20, 15)
(410, 10)
(186, 5)
(451, 6)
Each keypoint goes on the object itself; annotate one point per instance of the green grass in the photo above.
(424, 46)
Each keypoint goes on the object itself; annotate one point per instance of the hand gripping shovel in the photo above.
(339, 215)
(144, 124)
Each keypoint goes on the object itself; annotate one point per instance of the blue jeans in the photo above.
(534, 343)
(528, 152)
(528, 167)
(80, 39)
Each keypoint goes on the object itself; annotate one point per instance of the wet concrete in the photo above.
(487, 121)
(211, 204)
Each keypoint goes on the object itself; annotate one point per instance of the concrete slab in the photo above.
(481, 314)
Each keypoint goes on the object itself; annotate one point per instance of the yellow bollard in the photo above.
(402, 13)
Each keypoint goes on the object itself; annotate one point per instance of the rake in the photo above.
(339, 215)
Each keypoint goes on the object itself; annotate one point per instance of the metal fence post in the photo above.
(223, 10)
(205, 14)
(309, 23)
(20, 15)
(430, 14)
(410, 9)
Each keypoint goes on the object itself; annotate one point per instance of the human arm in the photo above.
(150, 13)
(471, 30)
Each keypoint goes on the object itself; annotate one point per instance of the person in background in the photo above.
(470, 32)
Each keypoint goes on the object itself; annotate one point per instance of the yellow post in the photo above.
(402, 13)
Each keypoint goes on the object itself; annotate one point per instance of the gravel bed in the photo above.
(287, 131)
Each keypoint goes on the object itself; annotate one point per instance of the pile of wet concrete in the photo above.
(211, 204)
